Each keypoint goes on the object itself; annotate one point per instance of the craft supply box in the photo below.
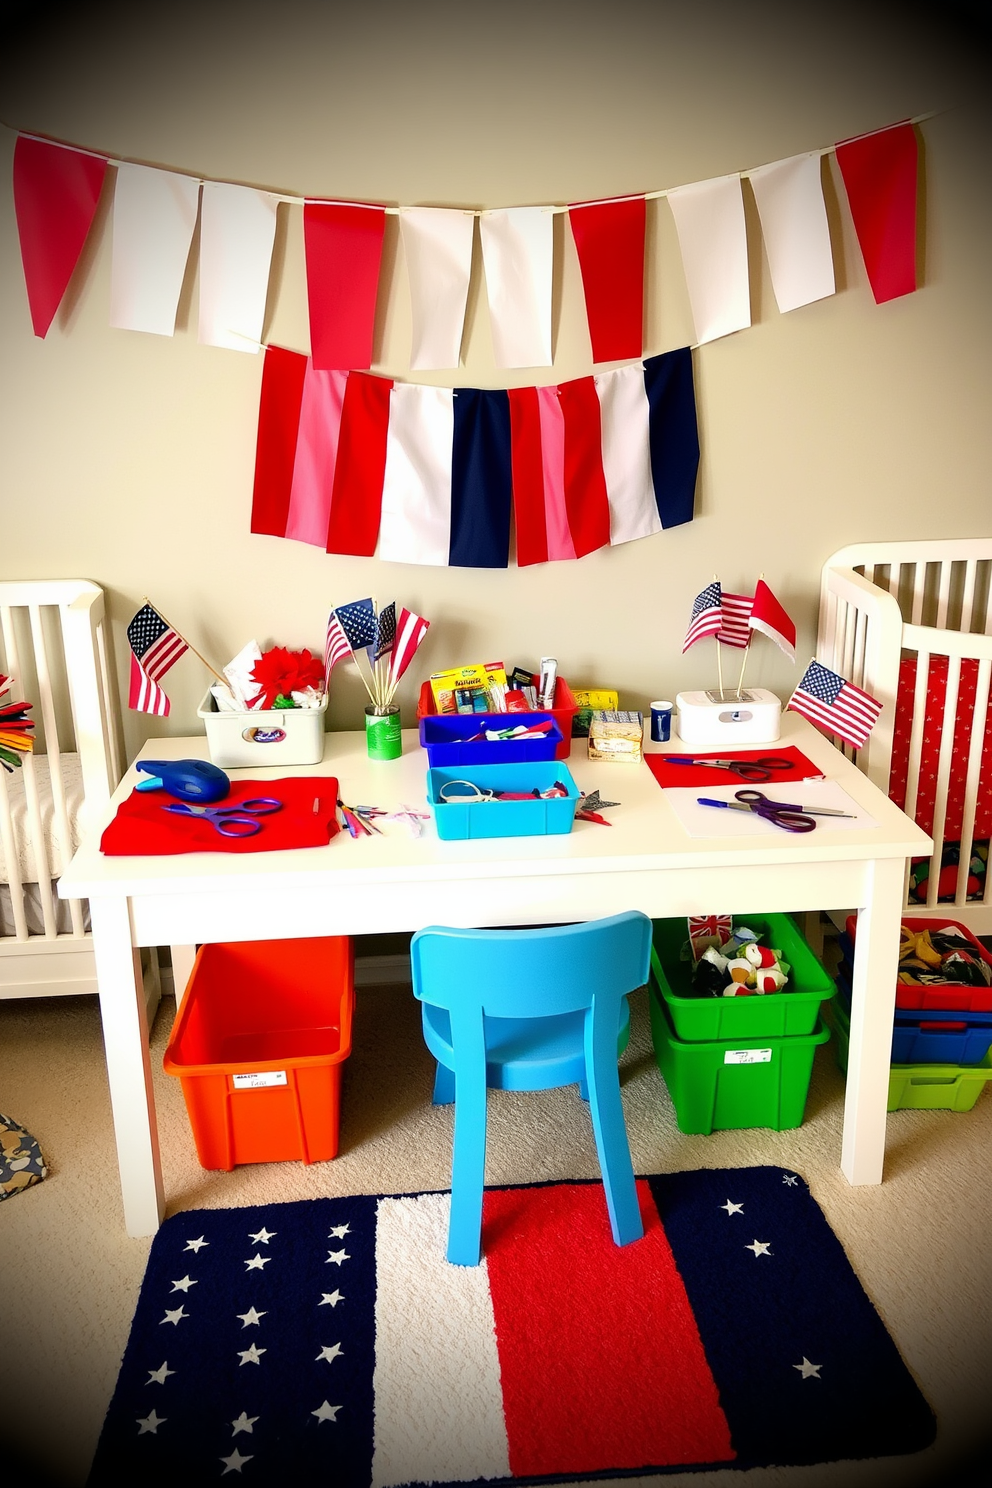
(257, 1046)
(920, 1087)
(457, 820)
(282, 736)
(448, 739)
(563, 712)
(933, 995)
(794, 1010)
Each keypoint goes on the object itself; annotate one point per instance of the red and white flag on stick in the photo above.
(768, 616)
(155, 648)
(410, 631)
(735, 616)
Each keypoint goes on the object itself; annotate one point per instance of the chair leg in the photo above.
(468, 1166)
(444, 1085)
(610, 1131)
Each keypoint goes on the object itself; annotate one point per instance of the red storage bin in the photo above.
(946, 996)
(258, 1044)
(563, 712)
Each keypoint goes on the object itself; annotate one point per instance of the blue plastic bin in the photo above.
(941, 1038)
(446, 737)
(457, 820)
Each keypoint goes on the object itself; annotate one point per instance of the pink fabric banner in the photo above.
(344, 251)
(316, 455)
(609, 239)
(552, 419)
(56, 191)
(880, 172)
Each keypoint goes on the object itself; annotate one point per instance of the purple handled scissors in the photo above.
(753, 770)
(779, 813)
(230, 821)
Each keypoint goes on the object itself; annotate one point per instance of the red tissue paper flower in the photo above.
(281, 672)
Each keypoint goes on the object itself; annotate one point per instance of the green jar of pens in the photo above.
(383, 738)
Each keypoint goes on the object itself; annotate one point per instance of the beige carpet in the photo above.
(920, 1242)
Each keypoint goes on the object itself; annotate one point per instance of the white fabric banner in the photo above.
(154, 218)
(437, 243)
(789, 194)
(237, 230)
(709, 218)
(624, 407)
(517, 250)
(415, 523)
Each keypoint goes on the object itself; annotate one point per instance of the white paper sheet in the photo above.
(237, 231)
(415, 524)
(623, 404)
(789, 194)
(154, 218)
(709, 219)
(437, 242)
(517, 250)
(710, 821)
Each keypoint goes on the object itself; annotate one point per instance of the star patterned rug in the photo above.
(329, 1342)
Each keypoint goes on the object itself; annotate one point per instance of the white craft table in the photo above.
(645, 860)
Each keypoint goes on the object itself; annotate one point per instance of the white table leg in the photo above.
(873, 997)
(183, 957)
(125, 1036)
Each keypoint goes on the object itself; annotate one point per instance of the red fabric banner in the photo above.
(343, 251)
(528, 477)
(308, 818)
(56, 191)
(609, 239)
(356, 500)
(283, 374)
(586, 499)
(880, 172)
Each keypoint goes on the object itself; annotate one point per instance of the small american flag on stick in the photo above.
(155, 647)
(833, 703)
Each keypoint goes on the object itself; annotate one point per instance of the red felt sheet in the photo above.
(669, 775)
(142, 829)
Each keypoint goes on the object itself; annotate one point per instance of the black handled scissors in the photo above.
(230, 821)
(753, 770)
(779, 813)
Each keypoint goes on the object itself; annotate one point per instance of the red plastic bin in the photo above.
(257, 1046)
(946, 996)
(563, 712)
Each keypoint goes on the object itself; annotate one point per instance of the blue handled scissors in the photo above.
(230, 821)
(753, 770)
(779, 813)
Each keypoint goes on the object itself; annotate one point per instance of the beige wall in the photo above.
(128, 458)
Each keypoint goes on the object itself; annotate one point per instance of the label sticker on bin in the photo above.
(747, 1056)
(259, 1080)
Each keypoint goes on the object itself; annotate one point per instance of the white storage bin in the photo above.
(263, 736)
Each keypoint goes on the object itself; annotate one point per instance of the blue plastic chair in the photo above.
(530, 1010)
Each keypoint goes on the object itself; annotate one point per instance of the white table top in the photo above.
(645, 833)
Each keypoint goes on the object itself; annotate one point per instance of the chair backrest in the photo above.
(532, 973)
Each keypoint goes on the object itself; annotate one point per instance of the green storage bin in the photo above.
(727, 1084)
(920, 1087)
(773, 1015)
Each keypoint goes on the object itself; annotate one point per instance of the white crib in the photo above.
(53, 646)
(911, 622)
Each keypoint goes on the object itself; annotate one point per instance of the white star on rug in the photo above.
(790, 1179)
(257, 1262)
(160, 1374)
(183, 1285)
(337, 1256)
(250, 1319)
(732, 1208)
(174, 1316)
(338, 1232)
(326, 1412)
(330, 1299)
(808, 1370)
(263, 1237)
(760, 1248)
(234, 1463)
(330, 1352)
(196, 1244)
(243, 1423)
(151, 1423)
(252, 1355)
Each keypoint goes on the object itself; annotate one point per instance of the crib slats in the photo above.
(46, 699)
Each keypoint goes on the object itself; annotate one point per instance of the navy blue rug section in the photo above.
(805, 1367)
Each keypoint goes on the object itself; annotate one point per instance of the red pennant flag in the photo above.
(56, 191)
(586, 499)
(609, 239)
(527, 465)
(880, 173)
(343, 251)
(768, 616)
(283, 375)
(356, 499)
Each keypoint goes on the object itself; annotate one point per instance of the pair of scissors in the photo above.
(753, 770)
(230, 821)
(779, 813)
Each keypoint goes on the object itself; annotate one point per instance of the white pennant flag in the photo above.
(709, 218)
(517, 250)
(789, 195)
(623, 404)
(437, 242)
(237, 230)
(415, 522)
(154, 218)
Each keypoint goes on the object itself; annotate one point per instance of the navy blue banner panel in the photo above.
(481, 484)
(673, 434)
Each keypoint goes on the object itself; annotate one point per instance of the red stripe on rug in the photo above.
(601, 1361)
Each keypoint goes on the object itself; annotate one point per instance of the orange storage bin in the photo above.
(563, 712)
(258, 1045)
